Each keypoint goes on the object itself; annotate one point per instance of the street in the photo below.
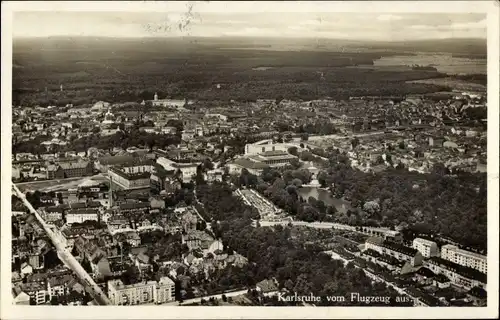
(66, 257)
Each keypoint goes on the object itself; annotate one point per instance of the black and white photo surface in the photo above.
(174, 155)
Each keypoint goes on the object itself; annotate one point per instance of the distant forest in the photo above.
(120, 70)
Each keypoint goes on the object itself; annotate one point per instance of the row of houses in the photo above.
(459, 275)
(40, 288)
(402, 259)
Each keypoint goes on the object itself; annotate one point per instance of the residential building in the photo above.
(52, 214)
(426, 247)
(215, 175)
(26, 269)
(188, 171)
(267, 287)
(385, 233)
(395, 250)
(36, 261)
(37, 291)
(118, 222)
(441, 281)
(104, 163)
(165, 290)
(58, 286)
(461, 276)
(188, 134)
(142, 292)
(133, 208)
(69, 169)
(21, 298)
(464, 258)
(81, 215)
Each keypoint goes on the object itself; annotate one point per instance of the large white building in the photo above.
(131, 177)
(426, 247)
(142, 292)
(81, 215)
(263, 146)
(464, 258)
(188, 170)
(273, 158)
(177, 103)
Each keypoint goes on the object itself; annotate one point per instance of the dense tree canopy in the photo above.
(271, 253)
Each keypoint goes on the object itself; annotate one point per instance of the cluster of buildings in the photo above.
(122, 225)
(449, 265)
(36, 278)
(416, 132)
(110, 232)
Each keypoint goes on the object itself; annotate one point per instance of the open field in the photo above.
(453, 84)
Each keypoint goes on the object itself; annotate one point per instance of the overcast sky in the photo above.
(355, 26)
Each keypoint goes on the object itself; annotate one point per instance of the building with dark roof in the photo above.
(441, 281)
(37, 291)
(104, 163)
(422, 299)
(128, 180)
(253, 167)
(82, 214)
(69, 169)
(395, 250)
(133, 207)
(459, 275)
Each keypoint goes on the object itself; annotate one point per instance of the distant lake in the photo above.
(262, 68)
(325, 196)
(443, 62)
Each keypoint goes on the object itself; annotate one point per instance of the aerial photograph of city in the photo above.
(253, 159)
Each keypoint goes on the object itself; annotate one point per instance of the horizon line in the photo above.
(241, 36)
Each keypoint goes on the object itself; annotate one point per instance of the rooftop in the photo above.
(131, 176)
(74, 165)
(421, 240)
(267, 286)
(467, 272)
(118, 284)
(245, 163)
(116, 160)
(462, 251)
(134, 205)
(400, 248)
(83, 211)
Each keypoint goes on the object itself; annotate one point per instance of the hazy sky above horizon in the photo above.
(354, 26)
